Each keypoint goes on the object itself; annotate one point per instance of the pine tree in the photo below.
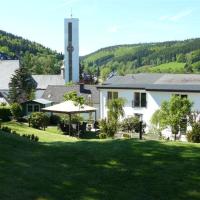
(22, 86)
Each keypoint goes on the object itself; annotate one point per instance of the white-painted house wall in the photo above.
(154, 101)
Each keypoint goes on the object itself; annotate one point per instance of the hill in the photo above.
(126, 59)
(39, 59)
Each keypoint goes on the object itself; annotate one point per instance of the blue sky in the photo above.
(102, 22)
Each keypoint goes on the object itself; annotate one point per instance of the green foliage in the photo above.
(16, 110)
(3, 104)
(73, 96)
(172, 113)
(127, 59)
(39, 120)
(5, 113)
(126, 135)
(7, 130)
(102, 136)
(108, 127)
(131, 124)
(115, 109)
(194, 134)
(69, 84)
(21, 86)
(37, 58)
(54, 119)
(105, 72)
(155, 119)
(74, 118)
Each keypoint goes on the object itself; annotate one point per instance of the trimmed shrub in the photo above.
(126, 135)
(13, 132)
(5, 113)
(108, 127)
(102, 136)
(39, 120)
(194, 134)
(6, 129)
(131, 124)
(16, 110)
(54, 119)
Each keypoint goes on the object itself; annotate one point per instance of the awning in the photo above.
(69, 107)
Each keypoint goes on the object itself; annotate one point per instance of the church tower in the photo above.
(71, 60)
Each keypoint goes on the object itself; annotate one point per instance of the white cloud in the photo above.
(177, 17)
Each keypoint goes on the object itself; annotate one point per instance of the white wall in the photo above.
(154, 101)
(75, 54)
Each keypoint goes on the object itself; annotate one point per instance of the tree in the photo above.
(173, 112)
(22, 86)
(115, 108)
(115, 111)
(16, 110)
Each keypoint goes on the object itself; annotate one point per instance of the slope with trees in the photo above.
(37, 58)
(125, 59)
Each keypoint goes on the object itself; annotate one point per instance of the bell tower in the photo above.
(71, 59)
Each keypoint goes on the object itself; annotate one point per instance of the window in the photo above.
(30, 108)
(139, 100)
(36, 108)
(112, 95)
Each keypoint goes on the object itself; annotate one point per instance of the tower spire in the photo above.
(71, 15)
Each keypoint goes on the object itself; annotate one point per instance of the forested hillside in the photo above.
(171, 57)
(37, 58)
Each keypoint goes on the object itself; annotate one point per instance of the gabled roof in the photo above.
(155, 82)
(44, 80)
(55, 92)
(7, 69)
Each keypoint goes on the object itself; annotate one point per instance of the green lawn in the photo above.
(60, 168)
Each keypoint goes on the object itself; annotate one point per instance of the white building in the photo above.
(71, 49)
(144, 93)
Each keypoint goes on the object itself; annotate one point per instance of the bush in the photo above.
(6, 129)
(13, 132)
(194, 134)
(31, 137)
(39, 120)
(102, 136)
(16, 110)
(108, 127)
(131, 124)
(5, 113)
(126, 135)
(3, 104)
(54, 119)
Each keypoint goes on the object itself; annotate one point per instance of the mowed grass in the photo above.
(51, 134)
(62, 169)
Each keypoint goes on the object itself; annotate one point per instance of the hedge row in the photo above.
(31, 137)
(5, 113)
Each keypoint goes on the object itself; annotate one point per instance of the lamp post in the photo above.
(140, 133)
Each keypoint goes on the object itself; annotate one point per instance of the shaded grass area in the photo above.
(98, 169)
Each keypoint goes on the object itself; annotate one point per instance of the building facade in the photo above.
(71, 49)
(144, 93)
